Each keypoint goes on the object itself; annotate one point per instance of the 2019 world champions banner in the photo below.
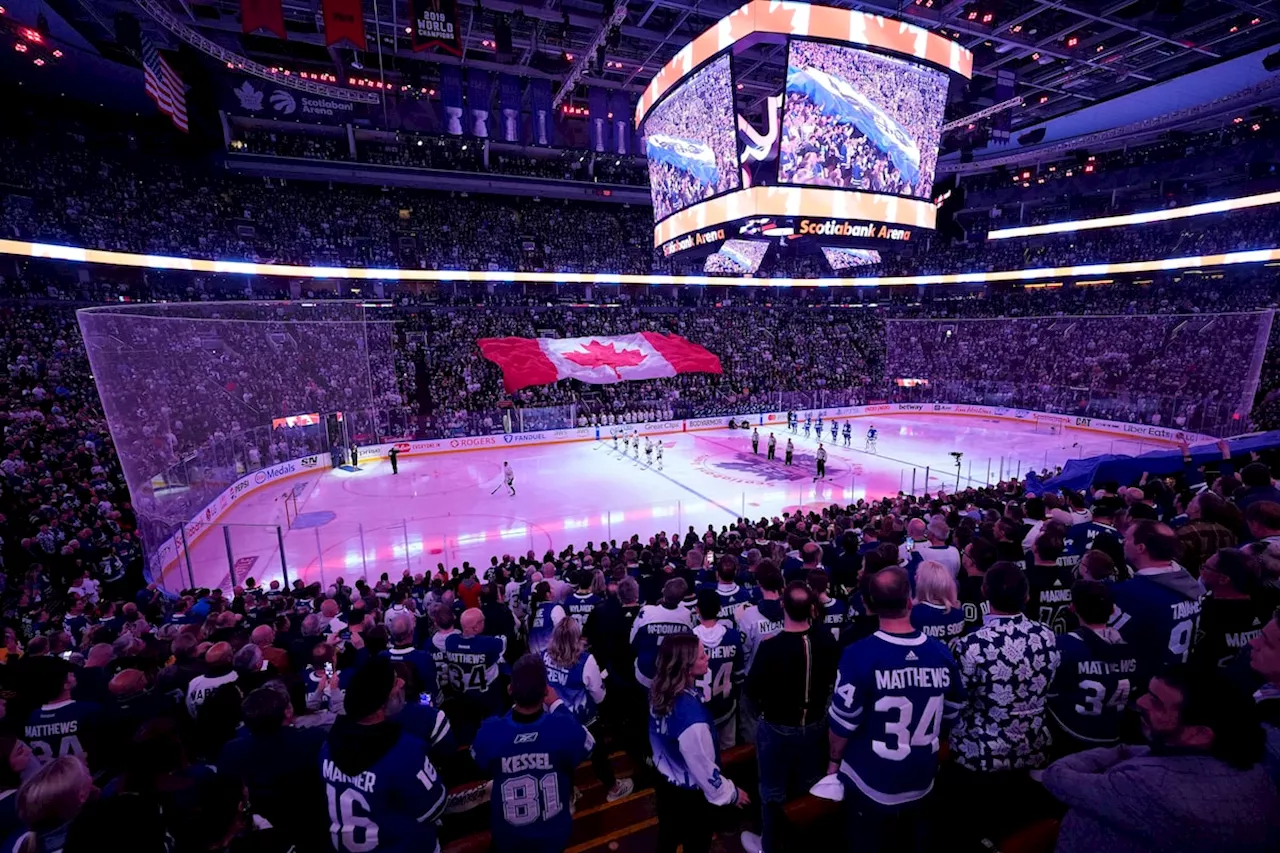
(435, 24)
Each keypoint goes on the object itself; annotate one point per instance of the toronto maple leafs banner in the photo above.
(596, 360)
(252, 96)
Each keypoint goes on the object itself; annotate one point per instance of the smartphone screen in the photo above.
(328, 670)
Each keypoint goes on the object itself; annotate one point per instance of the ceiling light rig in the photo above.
(584, 58)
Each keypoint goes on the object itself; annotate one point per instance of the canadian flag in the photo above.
(598, 360)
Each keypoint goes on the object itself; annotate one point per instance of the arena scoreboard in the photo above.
(842, 155)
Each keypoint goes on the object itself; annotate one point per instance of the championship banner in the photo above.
(595, 360)
(344, 21)
(435, 24)
(250, 96)
(262, 15)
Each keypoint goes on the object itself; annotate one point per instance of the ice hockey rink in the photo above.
(450, 508)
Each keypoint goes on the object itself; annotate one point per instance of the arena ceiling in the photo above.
(1065, 55)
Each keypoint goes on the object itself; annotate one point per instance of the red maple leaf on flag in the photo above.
(596, 354)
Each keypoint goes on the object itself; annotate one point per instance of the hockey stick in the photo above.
(495, 489)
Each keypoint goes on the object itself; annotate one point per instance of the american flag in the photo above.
(163, 85)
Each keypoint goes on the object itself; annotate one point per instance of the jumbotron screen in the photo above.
(739, 257)
(860, 120)
(691, 142)
(836, 148)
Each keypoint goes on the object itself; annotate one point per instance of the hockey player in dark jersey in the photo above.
(1091, 687)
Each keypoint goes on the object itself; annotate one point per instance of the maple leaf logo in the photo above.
(596, 354)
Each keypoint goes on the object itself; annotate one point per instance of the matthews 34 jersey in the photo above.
(1091, 687)
(531, 763)
(895, 696)
(726, 670)
(474, 664)
(63, 728)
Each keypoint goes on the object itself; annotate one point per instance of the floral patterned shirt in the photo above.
(1007, 666)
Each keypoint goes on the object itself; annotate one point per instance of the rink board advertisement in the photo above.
(171, 551)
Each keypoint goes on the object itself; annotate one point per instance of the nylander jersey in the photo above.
(653, 624)
(545, 619)
(63, 728)
(391, 807)
(1080, 538)
(531, 764)
(474, 664)
(573, 684)
(835, 615)
(579, 606)
(1091, 688)
(685, 750)
(422, 662)
(758, 624)
(720, 686)
(1159, 615)
(934, 620)
(895, 696)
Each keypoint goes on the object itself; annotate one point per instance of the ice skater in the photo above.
(509, 477)
(822, 463)
(355, 455)
(872, 435)
(807, 424)
(635, 441)
(393, 454)
(615, 438)
(848, 434)
(648, 450)
(835, 428)
(773, 447)
(755, 441)
(819, 435)
(791, 449)
(659, 455)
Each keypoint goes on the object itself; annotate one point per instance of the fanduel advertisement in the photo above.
(251, 96)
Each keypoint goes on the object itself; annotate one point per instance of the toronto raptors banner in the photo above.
(262, 15)
(596, 360)
(344, 21)
(435, 24)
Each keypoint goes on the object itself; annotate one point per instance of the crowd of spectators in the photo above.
(225, 719)
(1160, 369)
(697, 116)
(848, 145)
(282, 144)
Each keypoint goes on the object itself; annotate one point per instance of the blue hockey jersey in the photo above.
(545, 619)
(720, 686)
(652, 625)
(531, 762)
(1091, 687)
(580, 686)
(579, 606)
(734, 598)
(474, 664)
(63, 728)
(383, 792)
(423, 663)
(685, 750)
(895, 697)
(1080, 538)
(1158, 614)
(934, 620)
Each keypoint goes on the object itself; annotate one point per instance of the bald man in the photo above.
(475, 662)
(132, 703)
(917, 534)
(264, 637)
(219, 672)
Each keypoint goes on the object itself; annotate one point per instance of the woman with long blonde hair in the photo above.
(574, 675)
(685, 752)
(937, 611)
